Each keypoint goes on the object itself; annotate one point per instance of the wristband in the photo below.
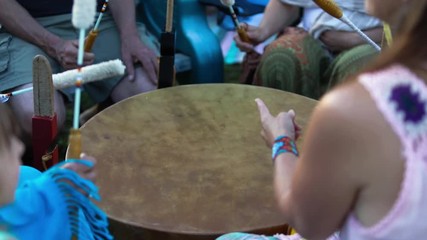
(283, 144)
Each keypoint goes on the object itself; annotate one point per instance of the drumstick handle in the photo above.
(90, 40)
(75, 144)
(243, 34)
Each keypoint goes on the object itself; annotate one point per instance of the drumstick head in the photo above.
(330, 7)
(84, 12)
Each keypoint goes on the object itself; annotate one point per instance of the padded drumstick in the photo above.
(334, 10)
(242, 33)
(90, 73)
(84, 12)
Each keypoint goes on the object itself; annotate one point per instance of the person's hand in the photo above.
(273, 127)
(133, 50)
(255, 35)
(84, 171)
(66, 51)
(338, 41)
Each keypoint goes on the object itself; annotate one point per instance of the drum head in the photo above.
(189, 160)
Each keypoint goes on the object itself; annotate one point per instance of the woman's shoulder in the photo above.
(391, 99)
(348, 100)
(351, 110)
(367, 89)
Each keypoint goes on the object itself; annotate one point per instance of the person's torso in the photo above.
(401, 98)
(43, 8)
(311, 14)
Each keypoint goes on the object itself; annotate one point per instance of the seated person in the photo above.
(30, 28)
(52, 205)
(309, 59)
(363, 170)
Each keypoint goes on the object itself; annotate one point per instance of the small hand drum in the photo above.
(188, 162)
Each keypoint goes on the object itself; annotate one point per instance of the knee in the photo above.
(280, 69)
(23, 113)
(352, 61)
(126, 88)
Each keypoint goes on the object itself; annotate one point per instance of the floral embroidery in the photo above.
(409, 103)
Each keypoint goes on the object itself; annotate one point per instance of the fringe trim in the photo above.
(78, 193)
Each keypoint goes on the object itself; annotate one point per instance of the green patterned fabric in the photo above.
(298, 63)
(294, 63)
(349, 63)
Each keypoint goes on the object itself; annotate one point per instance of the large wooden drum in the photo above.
(188, 162)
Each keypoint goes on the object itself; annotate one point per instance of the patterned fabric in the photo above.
(296, 62)
(293, 63)
(401, 96)
(347, 64)
(283, 144)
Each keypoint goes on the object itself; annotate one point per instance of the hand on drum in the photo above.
(273, 127)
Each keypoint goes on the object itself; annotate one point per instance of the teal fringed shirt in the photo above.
(49, 207)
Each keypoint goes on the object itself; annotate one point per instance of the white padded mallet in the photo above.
(91, 73)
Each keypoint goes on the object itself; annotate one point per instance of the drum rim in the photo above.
(186, 232)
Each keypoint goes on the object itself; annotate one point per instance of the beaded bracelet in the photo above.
(283, 144)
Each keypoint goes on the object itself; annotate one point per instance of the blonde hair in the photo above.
(8, 126)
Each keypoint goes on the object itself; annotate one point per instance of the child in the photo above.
(363, 170)
(52, 205)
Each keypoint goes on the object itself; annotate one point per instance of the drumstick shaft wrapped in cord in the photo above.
(334, 10)
(83, 13)
(89, 73)
(91, 37)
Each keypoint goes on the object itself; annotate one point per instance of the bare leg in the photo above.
(23, 107)
(126, 88)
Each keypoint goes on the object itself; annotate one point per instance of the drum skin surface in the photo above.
(188, 162)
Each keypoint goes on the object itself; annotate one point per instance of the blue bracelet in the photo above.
(283, 144)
